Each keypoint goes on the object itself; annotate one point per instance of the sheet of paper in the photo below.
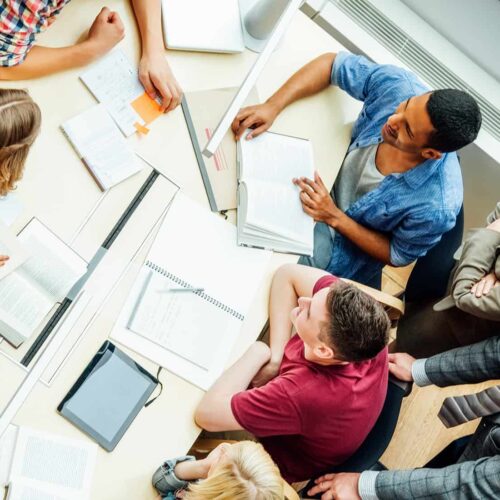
(7, 446)
(200, 248)
(206, 107)
(26, 490)
(10, 246)
(101, 146)
(10, 208)
(65, 465)
(114, 82)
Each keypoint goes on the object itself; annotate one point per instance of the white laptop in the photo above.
(202, 25)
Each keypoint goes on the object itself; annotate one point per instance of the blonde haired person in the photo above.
(20, 120)
(239, 471)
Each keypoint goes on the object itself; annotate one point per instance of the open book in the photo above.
(28, 293)
(41, 466)
(100, 145)
(270, 213)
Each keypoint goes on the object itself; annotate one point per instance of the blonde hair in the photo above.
(247, 472)
(20, 120)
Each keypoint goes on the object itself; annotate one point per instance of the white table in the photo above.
(59, 190)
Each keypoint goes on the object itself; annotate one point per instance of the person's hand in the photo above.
(343, 486)
(400, 366)
(484, 285)
(158, 80)
(259, 118)
(316, 199)
(3, 260)
(106, 31)
(494, 226)
(266, 373)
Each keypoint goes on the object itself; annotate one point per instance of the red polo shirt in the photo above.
(311, 417)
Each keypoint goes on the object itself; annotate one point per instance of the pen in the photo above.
(181, 289)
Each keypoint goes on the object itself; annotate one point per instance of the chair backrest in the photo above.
(394, 307)
(377, 441)
(429, 277)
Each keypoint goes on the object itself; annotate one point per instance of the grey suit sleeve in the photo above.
(465, 365)
(477, 479)
(479, 257)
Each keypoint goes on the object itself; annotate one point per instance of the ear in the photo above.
(323, 352)
(431, 154)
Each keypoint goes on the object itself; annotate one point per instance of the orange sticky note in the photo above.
(141, 128)
(148, 109)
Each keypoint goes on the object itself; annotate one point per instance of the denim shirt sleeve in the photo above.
(418, 233)
(366, 80)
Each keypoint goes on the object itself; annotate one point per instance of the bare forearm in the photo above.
(282, 300)
(375, 244)
(42, 61)
(148, 15)
(308, 80)
(214, 412)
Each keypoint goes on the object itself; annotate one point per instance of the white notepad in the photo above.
(201, 25)
(43, 465)
(270, 213)
(191, 334)
(101, 146)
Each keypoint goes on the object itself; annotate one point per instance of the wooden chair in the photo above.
(203, 447)
(394, 307)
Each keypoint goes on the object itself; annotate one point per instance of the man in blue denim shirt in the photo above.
(400, 186)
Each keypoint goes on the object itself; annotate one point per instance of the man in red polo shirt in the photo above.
(317, 394)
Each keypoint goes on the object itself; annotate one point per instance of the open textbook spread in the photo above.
(191, 333)
(114, 81)
(203, 110)
(101, 146)
(29, 292)
(270, 213)
(37, 465)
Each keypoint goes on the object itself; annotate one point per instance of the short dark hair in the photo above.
(456, 118)
(358, 327)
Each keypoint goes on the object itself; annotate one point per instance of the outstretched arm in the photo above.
(106, 31)
(154, 72)
(308, 80)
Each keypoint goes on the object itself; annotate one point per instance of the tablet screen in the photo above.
(108, 396)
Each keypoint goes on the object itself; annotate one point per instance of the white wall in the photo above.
(471, 25)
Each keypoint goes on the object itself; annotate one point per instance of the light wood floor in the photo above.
(420, 435)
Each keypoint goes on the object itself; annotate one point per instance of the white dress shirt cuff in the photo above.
(366, 485)
(418, 372)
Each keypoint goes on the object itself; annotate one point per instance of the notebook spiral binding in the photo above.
(203, 295)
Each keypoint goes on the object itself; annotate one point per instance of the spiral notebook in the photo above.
(191, 333)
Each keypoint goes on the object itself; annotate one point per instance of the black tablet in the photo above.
(108, 395)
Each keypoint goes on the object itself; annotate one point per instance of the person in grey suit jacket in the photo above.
(471, 311)
(474, 473)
